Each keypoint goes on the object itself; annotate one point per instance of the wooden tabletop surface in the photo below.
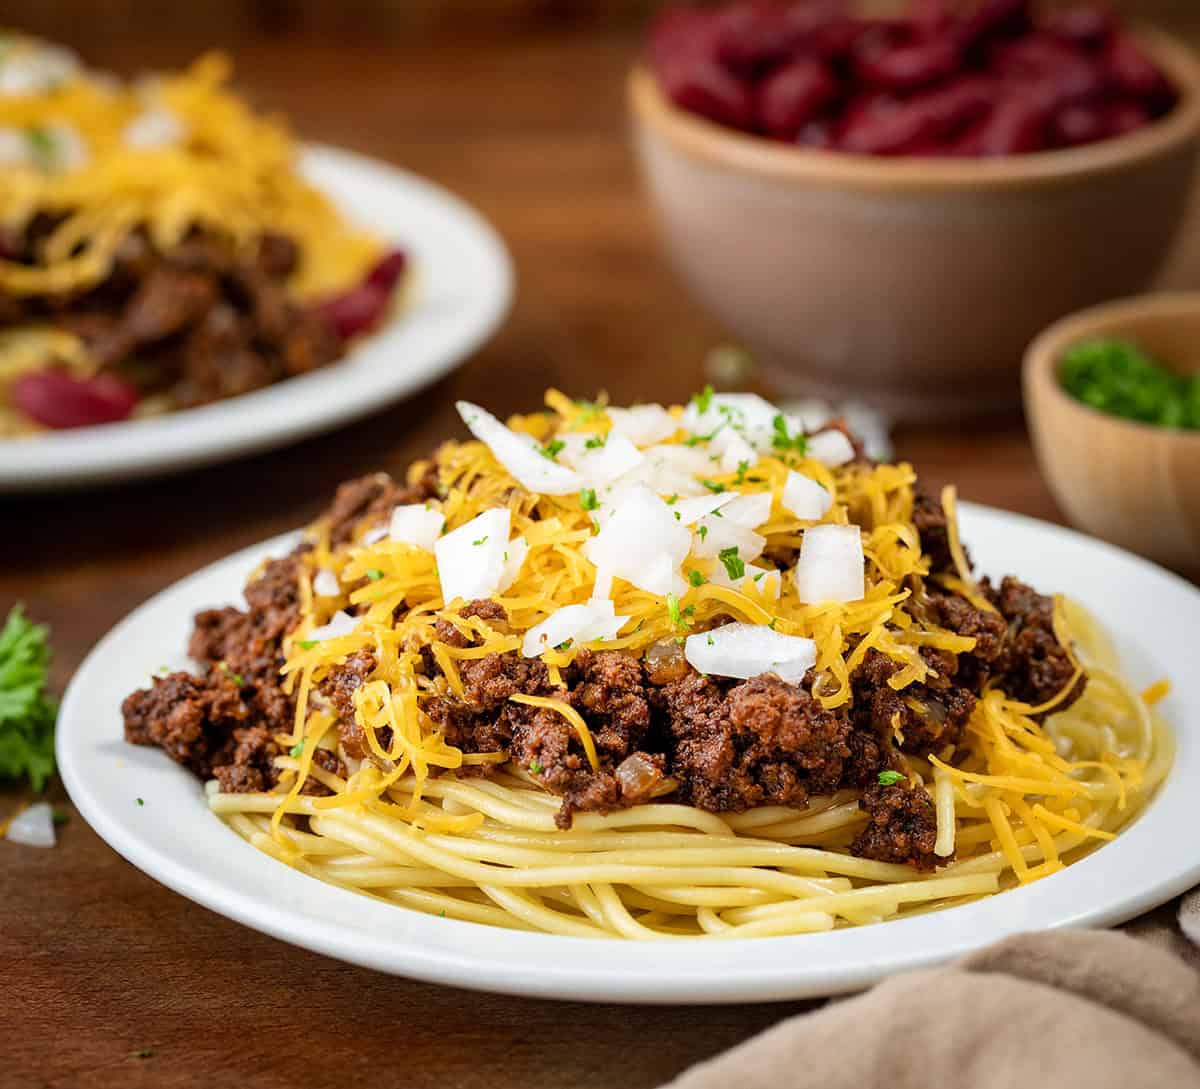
(99, 961)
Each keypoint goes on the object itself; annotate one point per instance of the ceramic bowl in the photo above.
(912, 283)
(1131, 483)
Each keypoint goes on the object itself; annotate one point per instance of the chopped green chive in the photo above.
(695, 578)
(141, 1053)
(703, 399)
(374, 574)
(588, 500)
(307, 644)
(296, 750)
(480, 541)
(702, 531)
(781, 440)
(713, 486)
(891, 778)
(535, 767)
(735, 567)
(552, 449)
(595, 442)
(673, 611)
(141, 801)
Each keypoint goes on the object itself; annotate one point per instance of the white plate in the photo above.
(463, 278)
(175, 838)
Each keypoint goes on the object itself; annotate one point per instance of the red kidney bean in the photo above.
(1074, 125)
(1088, 25)
(683, 32)
(1134, 73)
(994, 18)
(388, 270)
(910, 66)
(701, 86)
(56, 399)
(754, 35)
(882, 126)
(1124, 116)
(816, 134)
(1051, 69)
(793, 95)
(355, 311)
(1016, 126)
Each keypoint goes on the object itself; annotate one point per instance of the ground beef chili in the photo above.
(201, 322)
(660, 729)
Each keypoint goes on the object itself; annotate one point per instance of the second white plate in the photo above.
(464, 287)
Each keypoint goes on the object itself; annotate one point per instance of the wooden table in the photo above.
(100, 962)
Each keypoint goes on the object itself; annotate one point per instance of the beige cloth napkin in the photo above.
(1063, 1009)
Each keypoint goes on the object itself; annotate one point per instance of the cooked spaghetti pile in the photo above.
(169, 155)
(646, 673)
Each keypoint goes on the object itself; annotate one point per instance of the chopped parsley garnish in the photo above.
(673, 500)
(141, 1053)
(673, 611)
(307, 644)
(891, 778)
(588, 411)
(710, 641)
(42, 145)
(781, 440)
(141, 801)
(713, 486)
(695, 578)
(27, 713)
(374, 574)
(595, 442)
(1116, 377)
(164, 669)
(60, 816)
(588, 500)
(774, 621)
(743, 468)
(552, 449)
(703, 399)
(480, 541)
(564, 645)
(535, 767)
(735, 567)
(296, 750)
(702, 531)
(237, 678)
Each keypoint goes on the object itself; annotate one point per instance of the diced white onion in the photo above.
(33, 827)
(325, 583)
(31, 69)
(643, 543)
(155, 127)
(341, 623)
(749, 511)
(690, 511)
(831, 448)
(470, 559)
(416, 524)
(745, 414)
(604, 461)
(746, 650)
(579, 623)
(514, 557)
(531, 468)
(805, 498)
(736, 453)
(715, 534)
(768, 581)
(830, 566)
(643, 425)
(374, 535)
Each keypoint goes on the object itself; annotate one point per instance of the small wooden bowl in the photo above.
(911, 283)
(1134, 484)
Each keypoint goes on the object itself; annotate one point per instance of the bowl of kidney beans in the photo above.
(894, 206)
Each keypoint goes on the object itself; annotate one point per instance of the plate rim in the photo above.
(299, 407)
(545, 966)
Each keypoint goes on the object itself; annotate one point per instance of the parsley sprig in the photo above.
(27, 713)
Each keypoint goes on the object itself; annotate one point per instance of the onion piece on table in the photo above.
(33, 827)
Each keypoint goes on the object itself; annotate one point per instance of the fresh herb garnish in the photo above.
(481, 540)
(42, 145)
(375, 574)
(296, 750)
(713, 486)
(735, 567)
(60, 816)
(595, 442)
(783, 441)
(588, 411)
(695, 578)
(588, 500)
(702, 531)
(743, 467)
(891, 778)
(1116, 377)
(703, 399)
(141, 801)
(674, 612)
(142, 1053)
(535, 767)
(552, 449)
(27, 713)
(307, 644)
